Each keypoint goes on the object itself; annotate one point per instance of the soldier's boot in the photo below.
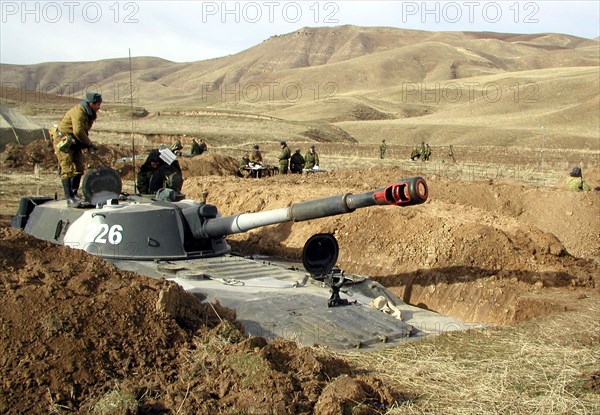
(75, 181)
(68, 192)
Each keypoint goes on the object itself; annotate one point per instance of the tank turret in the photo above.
(141, 228)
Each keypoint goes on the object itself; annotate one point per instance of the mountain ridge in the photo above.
(471, 54)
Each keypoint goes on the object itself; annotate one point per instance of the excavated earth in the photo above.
(79, 335)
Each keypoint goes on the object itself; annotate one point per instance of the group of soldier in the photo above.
(196, 149)
(287, 162)
(423, 152)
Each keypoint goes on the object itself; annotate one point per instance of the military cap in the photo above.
(93, 97)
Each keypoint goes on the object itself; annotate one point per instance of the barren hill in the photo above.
(388, 55)
(370, 82)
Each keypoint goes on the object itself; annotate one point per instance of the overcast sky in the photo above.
(184, 31)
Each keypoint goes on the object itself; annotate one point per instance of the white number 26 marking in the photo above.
(101, 233)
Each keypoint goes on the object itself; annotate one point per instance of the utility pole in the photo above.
(542, 152)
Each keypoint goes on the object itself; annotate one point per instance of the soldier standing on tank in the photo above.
(382, 148)
(69, 138)
(284, 157)
(311, 159)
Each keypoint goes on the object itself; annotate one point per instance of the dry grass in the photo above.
(534, 368)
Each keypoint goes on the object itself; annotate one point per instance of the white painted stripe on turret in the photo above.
(76, 233)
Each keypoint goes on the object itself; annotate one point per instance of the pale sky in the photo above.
(186, 31)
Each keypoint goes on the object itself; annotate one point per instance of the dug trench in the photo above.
(479, 252)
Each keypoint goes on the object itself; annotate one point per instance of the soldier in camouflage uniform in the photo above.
(245, 166)
(196, 149)
(427, 153)
(177, 147)
(70, 137)
(311, 159)
(575, 181)
(382, 148)
(415, 154)
(256, 156)
(284, 157)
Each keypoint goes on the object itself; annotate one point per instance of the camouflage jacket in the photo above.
(311, 160)
(285, 154)
(256, 157)
(576, 184)
(77, 122)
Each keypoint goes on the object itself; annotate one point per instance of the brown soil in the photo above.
(79, 335)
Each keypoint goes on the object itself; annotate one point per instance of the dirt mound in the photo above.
(18, 157)
(23, 158)
(209, 164)
(327, 133)
(206, 164)
(79, 335)
(363, 112)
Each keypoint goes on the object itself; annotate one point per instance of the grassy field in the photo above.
(548, 366)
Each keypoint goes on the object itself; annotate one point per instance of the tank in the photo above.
(312, 302)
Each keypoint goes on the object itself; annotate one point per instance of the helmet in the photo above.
(312, 146)
(256, 146)
(576, 172)
(282, 142)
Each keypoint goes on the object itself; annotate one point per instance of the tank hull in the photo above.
(275, 297)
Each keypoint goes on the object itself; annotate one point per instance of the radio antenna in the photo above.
(132, 123)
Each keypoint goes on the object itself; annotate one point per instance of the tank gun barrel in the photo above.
(406, 192)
